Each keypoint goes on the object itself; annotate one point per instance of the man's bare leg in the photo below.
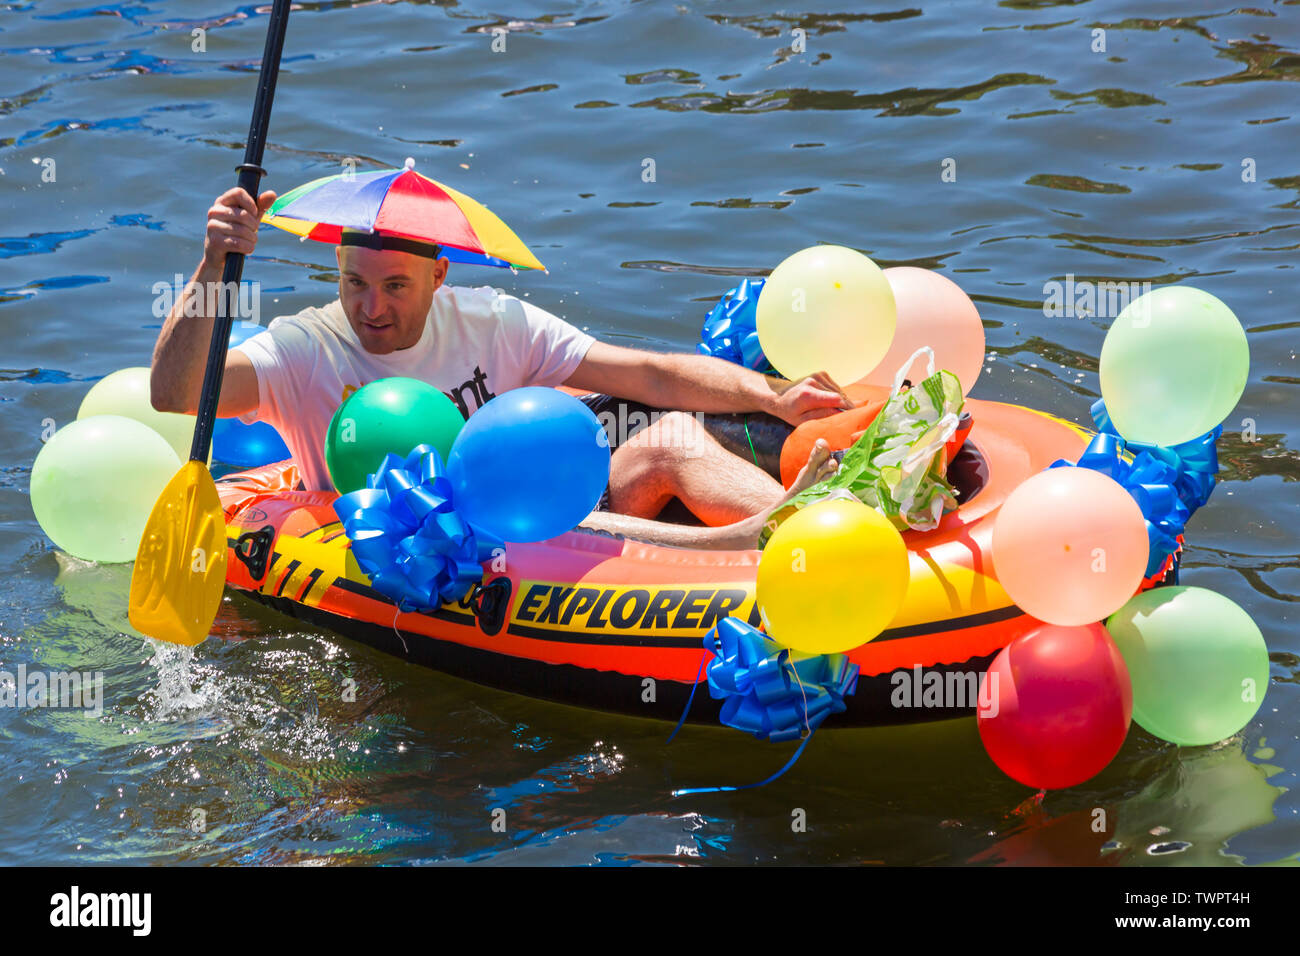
(677, 458)
(740, 535)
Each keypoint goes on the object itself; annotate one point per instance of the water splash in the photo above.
(175, 694)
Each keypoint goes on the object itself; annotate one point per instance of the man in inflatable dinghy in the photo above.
(396, 316)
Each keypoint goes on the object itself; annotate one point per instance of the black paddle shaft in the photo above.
(250, 178)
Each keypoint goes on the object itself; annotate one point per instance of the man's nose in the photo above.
(372, 304)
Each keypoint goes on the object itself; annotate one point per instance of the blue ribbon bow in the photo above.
(1168, 484)
(770, 691)
(407, 536)
(1196, 461)
(730, 331)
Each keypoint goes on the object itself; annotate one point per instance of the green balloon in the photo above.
(126, 393)
(95, 483)
(390, 415)
(1173, 365)
(1197, 661)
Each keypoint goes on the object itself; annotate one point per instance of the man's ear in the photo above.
(440, 269)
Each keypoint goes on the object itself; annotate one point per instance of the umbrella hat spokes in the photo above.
(402, 204)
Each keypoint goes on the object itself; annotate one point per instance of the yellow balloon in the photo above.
(126, 393)
(832, 577)
(826, 309)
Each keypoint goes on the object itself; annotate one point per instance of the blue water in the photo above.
(1168, 156)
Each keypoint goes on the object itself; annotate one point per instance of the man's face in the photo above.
(386, 295)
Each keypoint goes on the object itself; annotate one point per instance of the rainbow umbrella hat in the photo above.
(401, 202)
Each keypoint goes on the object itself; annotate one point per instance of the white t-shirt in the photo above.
(308, 363)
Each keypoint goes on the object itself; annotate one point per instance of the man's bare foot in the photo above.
(818, 468)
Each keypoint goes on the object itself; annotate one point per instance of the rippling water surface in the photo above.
(1170, 155)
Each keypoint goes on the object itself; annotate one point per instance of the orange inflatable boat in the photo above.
(601, 622)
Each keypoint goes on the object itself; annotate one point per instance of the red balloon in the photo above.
(1056, 705)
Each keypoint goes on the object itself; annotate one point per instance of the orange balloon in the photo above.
(933, 311)
(1070, 546)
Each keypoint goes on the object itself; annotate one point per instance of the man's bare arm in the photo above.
(700, 383)
(181, 353)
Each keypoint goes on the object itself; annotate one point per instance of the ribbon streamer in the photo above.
(407, 537)
(770, 691)
(730, 331)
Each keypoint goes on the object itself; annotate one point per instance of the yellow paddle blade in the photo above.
(180, 567)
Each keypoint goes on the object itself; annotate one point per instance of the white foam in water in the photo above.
(174, 693)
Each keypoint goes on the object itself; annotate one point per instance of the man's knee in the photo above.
(672, 436)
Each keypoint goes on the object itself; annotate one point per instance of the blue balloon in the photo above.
(247, 446)
(529, 465)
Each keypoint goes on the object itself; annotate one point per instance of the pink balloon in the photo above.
(1070, 546)
(1059, 704)
(933, 311)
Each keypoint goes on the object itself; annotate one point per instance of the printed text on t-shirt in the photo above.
(476, 386)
